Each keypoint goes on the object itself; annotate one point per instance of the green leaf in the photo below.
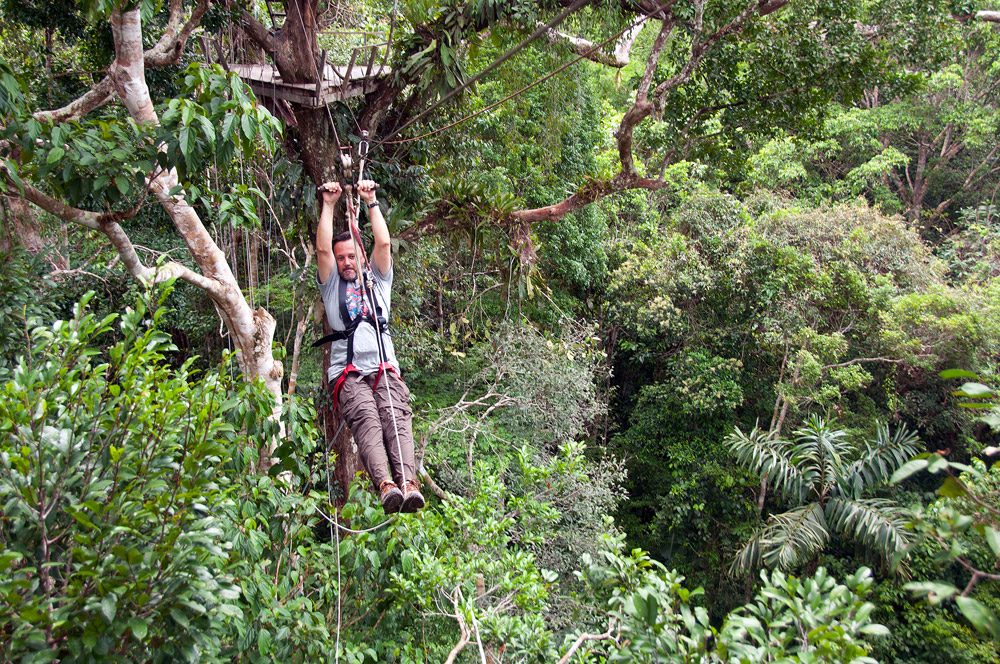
(948, 374)
(993, 539)
(951, 488)
(264, 641)
(981, 617)
(122, 183)
(55, 154)
(7, 558)
(912, 466)
(936, 464)
(186, 140)
(109, 606)
(179, 617)
(875, 630)
(246, 124)
(974, 390)
(139, 628)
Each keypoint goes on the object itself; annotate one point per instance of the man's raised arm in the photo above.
(325, 261)
(382, 252)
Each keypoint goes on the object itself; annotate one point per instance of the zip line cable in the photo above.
(579, 4)
(522, 90)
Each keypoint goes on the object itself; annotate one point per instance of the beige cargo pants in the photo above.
(370, 418)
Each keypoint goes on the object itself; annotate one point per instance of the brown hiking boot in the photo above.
(391, 496)
(413, 500)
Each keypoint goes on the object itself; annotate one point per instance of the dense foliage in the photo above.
(710, 416)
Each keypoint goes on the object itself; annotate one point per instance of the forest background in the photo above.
(702, 332)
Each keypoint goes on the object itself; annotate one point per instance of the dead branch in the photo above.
(579, 46)
(588, 637)
(465, 635)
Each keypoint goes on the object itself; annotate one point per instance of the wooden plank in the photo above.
(322, 77)
(265, 81)
(371, 61)
(354, 56)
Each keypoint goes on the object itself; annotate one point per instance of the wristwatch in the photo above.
(372, 205)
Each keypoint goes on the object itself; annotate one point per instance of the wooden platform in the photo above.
(339, 82)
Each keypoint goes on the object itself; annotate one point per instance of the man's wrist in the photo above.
(372, 204)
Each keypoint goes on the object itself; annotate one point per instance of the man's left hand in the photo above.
(366, 189)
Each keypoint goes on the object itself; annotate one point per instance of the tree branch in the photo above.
(579, 46)
(858, 360)
(642, 107)
(592, 191)
(170, 47)
(257, 33)
(167, 51)
(587, 637)
(94, 98)
(465, 635)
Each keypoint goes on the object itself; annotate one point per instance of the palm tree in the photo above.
(824, 477)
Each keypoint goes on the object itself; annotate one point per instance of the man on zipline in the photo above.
(369, 392)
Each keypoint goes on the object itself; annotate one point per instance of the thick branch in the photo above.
(167, 51)
(642, 107)
(170, 47)
(579, 46)
(591, 192)
(94, 98)
(108, 225)
(991, 16)
(257, 33)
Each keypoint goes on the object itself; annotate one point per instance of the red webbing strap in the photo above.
(381, 369)
(349, 369)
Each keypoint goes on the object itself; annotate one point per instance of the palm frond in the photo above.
(824, 445)
(771, 457)
(881, 459)
(795, 537)
(875, 522)
(786, 541)
(748, 559)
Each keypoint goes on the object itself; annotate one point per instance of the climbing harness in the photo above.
(373, 316)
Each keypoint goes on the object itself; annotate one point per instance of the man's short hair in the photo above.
(341, 237)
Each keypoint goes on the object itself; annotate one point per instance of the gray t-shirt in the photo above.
(366, 355)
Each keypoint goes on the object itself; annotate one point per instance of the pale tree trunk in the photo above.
(252, 331)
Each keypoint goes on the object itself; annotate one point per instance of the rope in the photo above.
(579, 4)
(522, 90)
(370, 298)
(319, 79)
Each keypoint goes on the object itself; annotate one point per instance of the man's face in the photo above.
(346, 260)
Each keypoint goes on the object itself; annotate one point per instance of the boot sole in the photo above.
(393, 501)
(414, 501)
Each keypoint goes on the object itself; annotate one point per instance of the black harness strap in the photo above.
(351, 325)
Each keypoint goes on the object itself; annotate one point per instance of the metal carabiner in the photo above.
(363, 145)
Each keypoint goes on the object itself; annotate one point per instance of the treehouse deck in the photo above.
(339, 82)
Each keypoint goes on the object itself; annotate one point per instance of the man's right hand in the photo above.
(331, 192)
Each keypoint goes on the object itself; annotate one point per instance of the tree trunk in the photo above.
(252, 331)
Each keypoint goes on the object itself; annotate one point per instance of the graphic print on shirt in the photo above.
(355, 302)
